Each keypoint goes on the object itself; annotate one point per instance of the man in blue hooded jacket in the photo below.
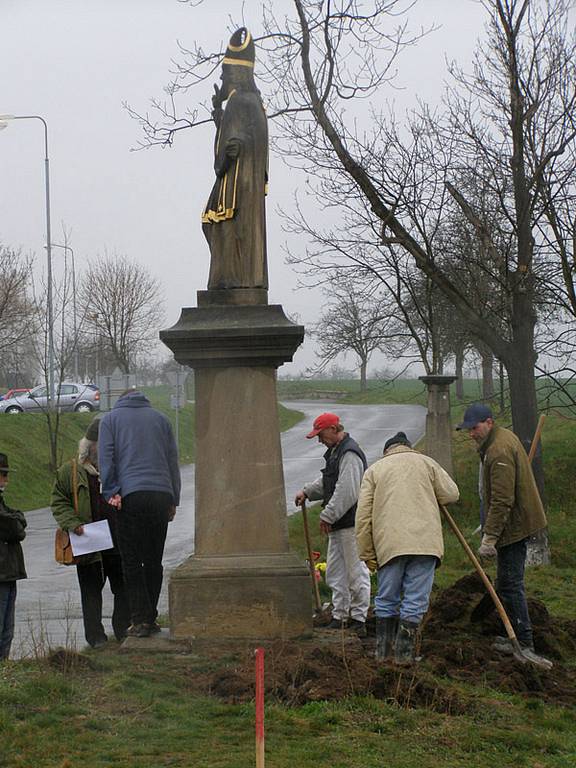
(140, 476)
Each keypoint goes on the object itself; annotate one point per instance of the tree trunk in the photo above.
(521, 380)
(459, 369)
(487, 378)
(502, 386)
(363, 382)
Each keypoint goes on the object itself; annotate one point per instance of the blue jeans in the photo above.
(404, 586)
(510, 587)
(7, 605)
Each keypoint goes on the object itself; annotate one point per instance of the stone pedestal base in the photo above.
(243, 582)
(257, 597)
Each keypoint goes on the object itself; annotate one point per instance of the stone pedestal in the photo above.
(438, 424)
(242, 581)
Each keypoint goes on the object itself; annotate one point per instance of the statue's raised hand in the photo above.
(217, 100)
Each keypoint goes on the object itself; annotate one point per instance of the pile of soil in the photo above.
(336, 664)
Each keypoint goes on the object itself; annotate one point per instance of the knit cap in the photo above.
(398, 439)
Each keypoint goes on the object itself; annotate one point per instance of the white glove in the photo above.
(487, 548)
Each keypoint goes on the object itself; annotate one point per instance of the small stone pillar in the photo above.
(242, 581)
(438, 442)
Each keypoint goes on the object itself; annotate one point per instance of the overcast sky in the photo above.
(75, 61)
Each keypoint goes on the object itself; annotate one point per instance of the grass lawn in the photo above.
(128, 711)
(148, 711)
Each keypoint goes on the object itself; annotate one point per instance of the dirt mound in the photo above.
(297, 673)
(336, 664)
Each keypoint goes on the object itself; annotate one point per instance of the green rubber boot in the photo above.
(404, 652)
(386, 629)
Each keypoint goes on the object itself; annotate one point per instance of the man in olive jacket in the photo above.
(12, 532)
(513, 510)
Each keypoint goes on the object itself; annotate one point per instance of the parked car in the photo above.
(70, 396)
(13, 392)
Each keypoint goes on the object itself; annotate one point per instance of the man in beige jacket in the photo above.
(399, 534)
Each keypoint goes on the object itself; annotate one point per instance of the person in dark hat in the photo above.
(337, 487)
(399, 535)
(76, 500)
(234, 219)
(513, 512)
(12, 532)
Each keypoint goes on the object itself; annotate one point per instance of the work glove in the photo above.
(487, 548)
(372, 565)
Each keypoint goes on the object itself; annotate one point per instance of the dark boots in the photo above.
(386, 629)
(404, 652)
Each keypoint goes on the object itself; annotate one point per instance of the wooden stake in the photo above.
(315, 589)
(259, 653)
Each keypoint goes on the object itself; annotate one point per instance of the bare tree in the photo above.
(355, 320)
(15, 304)
(123, 306)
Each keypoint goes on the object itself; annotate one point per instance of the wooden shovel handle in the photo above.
(487, 583)
(536, 438)
(311, 559)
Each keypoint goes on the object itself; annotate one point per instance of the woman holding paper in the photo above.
(76, 501)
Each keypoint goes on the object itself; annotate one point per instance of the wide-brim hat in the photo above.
(4, 468)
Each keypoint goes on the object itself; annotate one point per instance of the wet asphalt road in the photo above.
(48, 609)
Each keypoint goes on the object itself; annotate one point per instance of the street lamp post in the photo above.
(4, 119)
(74, 312)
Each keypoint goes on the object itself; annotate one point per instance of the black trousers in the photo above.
(91, 579)
(141, 530)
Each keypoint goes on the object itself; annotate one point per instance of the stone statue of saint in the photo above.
(234, 220)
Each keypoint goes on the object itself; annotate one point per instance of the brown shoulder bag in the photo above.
(62, 547)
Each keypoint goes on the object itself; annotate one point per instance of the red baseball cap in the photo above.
(322, 422)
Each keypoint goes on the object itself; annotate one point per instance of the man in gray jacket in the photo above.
(12, 532)
(338, 487)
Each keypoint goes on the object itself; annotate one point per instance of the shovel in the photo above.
(486, 604)
(518, 653)
(315, 589)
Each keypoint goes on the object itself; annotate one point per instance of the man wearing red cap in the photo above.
(338, 487)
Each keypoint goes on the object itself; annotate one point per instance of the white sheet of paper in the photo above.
(95, 538)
